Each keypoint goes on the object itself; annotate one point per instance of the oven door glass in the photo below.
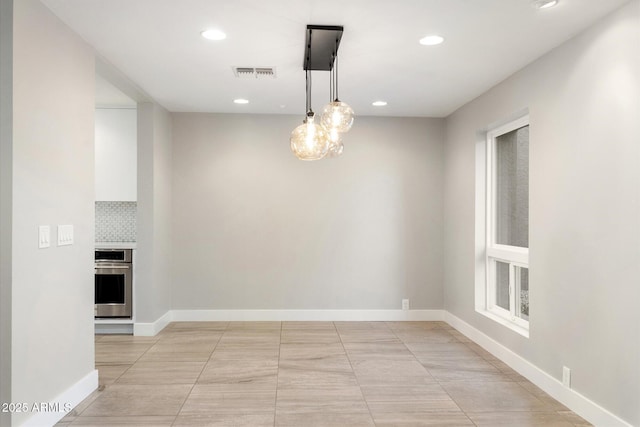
(110, 288)
(113, 291)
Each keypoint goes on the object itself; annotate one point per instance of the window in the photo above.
(502, 214)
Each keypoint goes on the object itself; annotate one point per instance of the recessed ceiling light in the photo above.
(379, 103)
(431, 40)
(545, 4)
(213, 35)
(241, 101)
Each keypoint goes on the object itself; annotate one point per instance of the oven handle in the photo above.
(109, 267)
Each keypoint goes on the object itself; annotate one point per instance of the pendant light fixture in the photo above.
(313, 140)
(332, 118)
(337, 115)
(309, 141)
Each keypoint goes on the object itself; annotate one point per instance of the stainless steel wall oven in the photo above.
(113, 282)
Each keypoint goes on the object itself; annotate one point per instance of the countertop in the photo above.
(115, 245)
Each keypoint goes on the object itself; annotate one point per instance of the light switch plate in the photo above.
(65, 235)
(44, 236)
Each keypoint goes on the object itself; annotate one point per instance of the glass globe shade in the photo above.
(309, 141)
(335, 137)
(335, 143)
(337, 115)
(336, 150)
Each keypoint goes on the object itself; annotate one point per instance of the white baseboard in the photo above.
(72, 396)
(573, 400)
(306, 315)
(151, 329)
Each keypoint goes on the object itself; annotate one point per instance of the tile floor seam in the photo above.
(196, 381)
(119, 376)
(103, 387)
(438, 382)
(414, 356)
(466, 413)
(354, 374)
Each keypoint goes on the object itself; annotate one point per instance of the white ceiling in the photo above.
(157, 44)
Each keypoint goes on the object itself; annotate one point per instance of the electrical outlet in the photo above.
(405, 304)
(566, 377)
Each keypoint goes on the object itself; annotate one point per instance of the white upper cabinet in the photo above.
(116, 154)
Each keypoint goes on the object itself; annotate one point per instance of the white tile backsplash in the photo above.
(116, 221)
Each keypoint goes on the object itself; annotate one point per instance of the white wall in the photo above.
(154, 246)
(584, 103)
(53, 108)
(256, 228)
(6, 172)
(116, 146)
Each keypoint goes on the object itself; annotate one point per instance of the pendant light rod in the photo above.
(307, 76)
(331, 83)
(335, 71)
(306, 91)
(309, 105)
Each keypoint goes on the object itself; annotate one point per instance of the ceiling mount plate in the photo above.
(321, 46)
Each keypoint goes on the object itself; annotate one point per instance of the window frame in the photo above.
(514, 312)
(487, 250)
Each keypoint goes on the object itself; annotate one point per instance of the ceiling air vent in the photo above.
(254, 72)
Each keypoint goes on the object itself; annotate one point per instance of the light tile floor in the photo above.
(309, 374)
